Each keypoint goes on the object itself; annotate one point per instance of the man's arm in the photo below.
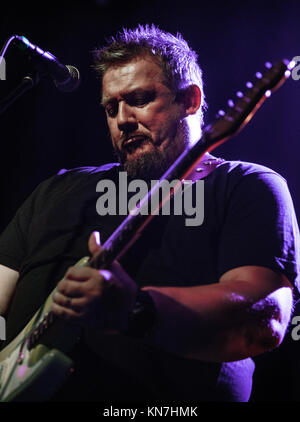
(8, 281)
(243, 315)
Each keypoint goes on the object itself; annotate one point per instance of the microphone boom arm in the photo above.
(67, 77)
(27, 83)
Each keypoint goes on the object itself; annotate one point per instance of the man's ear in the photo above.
(190, 98)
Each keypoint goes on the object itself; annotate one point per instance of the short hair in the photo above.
(177, 60)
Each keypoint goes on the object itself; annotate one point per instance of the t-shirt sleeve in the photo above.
(260, 227)
(13, 240)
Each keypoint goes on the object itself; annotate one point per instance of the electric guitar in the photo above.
(36, 363)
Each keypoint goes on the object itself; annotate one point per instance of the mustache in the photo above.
(126, 137)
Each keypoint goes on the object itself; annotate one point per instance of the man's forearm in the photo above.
(217, 322)
(8, 281)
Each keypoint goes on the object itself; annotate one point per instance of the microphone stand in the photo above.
(27, 83)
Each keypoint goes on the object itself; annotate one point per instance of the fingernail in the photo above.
(106, 274)
(97, 238)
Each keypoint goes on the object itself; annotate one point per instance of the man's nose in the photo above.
(126, 118)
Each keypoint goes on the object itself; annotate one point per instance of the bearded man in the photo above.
(183, 312)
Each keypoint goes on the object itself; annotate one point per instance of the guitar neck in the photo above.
(226, 125)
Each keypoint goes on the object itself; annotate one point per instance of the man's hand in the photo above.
(98, 298)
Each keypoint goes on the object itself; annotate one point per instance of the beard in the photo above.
(153, 164)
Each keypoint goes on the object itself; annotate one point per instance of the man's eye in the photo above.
(140, 100)
(111, 111)
(135, 102)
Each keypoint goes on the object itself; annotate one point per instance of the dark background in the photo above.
(46, 130)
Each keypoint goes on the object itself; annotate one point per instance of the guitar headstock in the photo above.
(240, 112)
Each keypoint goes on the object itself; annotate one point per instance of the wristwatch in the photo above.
(142, 319)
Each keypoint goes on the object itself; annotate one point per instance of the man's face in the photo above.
(144, 119)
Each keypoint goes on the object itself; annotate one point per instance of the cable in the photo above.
(5, 47)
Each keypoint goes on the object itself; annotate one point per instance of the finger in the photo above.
(76, 304)
(94, 242)
(70, 288)
(68, 314)
(61, 299)
(107, 275)
(79, 273)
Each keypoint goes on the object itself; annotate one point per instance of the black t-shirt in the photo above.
(249, 219)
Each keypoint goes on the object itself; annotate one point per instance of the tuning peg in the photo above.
(239, 94)
(287, 73)
(221, 113)
(249, 84)
(291, 65)
(268, 65)
(230, 103)
(258, 75)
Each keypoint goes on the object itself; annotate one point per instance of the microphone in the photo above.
(66, 77)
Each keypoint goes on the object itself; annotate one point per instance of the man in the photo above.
(188, 307)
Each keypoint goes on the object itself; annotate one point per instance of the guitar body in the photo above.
(34, 365)
(41, 374)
